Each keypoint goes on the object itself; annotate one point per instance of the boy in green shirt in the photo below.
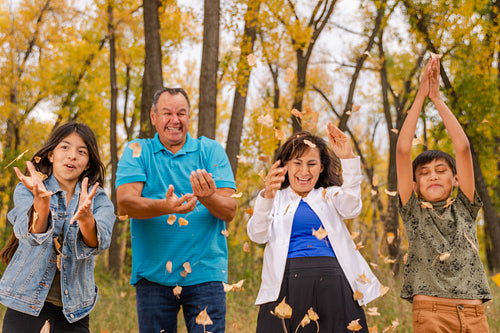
(444, 276)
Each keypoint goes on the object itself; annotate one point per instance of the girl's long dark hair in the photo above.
(95, 171)
(295, 147)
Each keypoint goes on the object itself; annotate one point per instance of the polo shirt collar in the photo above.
(190, 145)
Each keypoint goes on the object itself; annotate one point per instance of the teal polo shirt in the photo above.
(154, 241)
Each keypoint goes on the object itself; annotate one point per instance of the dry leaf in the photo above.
(320, 233)
(496, 279)
(279, 134)
(46, 327)
(252, 59)
(405, 258)
(354, 235)
(449, 201)
(187, 267)
(355, 108)
(282, 310)
(289, 74)
(390, 237)
(363, 279)
(324, 193)
(171, 219)
(41, 175)
(225, 232)
(359, 245)
(37, 159)
(391, 193)
(265, 120)
(373, 192)
(354, 326)
(471, 243)
(394, 324)
(234, 49)
(367, 54)
(444, 256)
(136, 149)
(305, 321)
(425, 204)
(236, 195)
(309, 143)
(122, 217)
(383, 290)
(434, 55)
(17, 158)
(168, 266)
(297, 113)
(416, 141)
(233, 287)
(348, 112)
(264, 158)
(375, 180)
(374, 265)
(388, 260)
(177, 291)
(203, 318)
(249, 211)
(357, 295)
(184, 274)
(183, 221)
(372, 311)
(395, 130)
(313, 315)
(373, 329)
(246, 247)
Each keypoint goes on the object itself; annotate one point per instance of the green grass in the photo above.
(115, 311)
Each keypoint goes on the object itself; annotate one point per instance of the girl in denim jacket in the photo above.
(61, 218)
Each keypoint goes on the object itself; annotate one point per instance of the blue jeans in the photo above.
(157, 307)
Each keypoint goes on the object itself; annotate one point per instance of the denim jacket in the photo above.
(27, 279)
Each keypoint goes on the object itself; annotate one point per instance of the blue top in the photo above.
(154, 241)
(27, 279)
(302, 241)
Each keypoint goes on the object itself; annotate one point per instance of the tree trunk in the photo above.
(208, 74)
(243, 79)
(152, 79)
(117, 247)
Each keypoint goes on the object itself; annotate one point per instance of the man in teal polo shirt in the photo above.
(177, 190)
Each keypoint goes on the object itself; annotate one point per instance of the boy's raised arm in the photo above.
(405, 139)
(465, 168)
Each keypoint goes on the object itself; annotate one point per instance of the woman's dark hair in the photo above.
(95, 171)
(431, 155)
(295, 147)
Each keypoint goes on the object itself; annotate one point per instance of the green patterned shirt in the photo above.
(443, 257)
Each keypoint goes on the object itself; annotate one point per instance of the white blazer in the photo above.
(271, 223)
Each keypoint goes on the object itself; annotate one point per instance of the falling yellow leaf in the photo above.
(46, 327)
(249, 211)
(236, 195)
(354, 326)
(375, 180)
(122, 217)
(357, 295)
(373, 329)
(390, 237)
(37, 159)
(434, 55)
(289, 74)
(279, 134)
(233, 287)
(394, 324)
(391, 193)
(354, 235)
(168, 266)
(388, 260)
(41, 175)
(282, 310)
(373, 193)
(485, 121)
(367, 53)
(444, 256)
(177, 291)
(297, 113)
(313, 315)
(355, 108)
(395, 130)
(471, 243)
(348, 112)
(136, 149)
(359, 245)
(305, 321)
(265, 120)
(183, 221)
(203, 318)
(246, 247)
(309, 143)
(496, 279)
(171, 219)
(425, 204)
(405, 258)
(320, 233)
(225, 232)
(416, 141)
(251, 59)
(324, 193)
(374, 265)
(234, 49)
(383, 290)
(363, 279)
(264, 158)
(17, 158)
(187, 267)
(372, 311)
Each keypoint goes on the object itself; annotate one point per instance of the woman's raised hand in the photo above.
(273, 180)
(340, 143)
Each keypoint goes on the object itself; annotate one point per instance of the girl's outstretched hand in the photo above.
(34, 183)
(273, 180)
(84, 214)
(340, 143)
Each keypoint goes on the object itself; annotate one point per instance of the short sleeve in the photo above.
(471, 207)
(131, 169)
(219, 166)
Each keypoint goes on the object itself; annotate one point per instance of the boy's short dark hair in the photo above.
(431, 155)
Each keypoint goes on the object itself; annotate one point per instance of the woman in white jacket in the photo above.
(305, 196)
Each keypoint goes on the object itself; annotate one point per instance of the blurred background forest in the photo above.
(257, 71)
